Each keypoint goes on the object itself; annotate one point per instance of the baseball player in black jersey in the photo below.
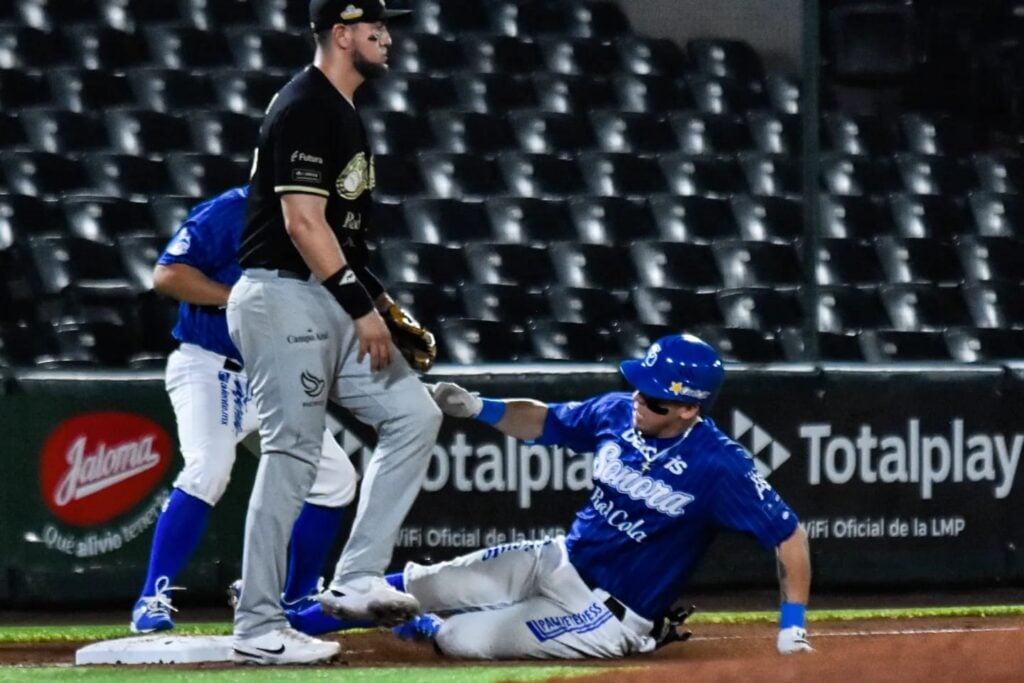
(307, 317)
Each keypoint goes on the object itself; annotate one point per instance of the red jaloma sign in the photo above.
(96, 466)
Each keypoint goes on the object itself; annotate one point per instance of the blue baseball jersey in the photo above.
(208, 241)
(657, 504)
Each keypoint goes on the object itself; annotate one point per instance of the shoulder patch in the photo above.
(180, 244)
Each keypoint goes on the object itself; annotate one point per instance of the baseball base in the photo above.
(157, 649)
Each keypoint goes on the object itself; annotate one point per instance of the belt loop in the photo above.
(232, 365)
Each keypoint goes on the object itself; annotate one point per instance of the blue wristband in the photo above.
(792, 614)
(492, 412)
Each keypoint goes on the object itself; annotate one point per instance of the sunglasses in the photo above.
(655, 405)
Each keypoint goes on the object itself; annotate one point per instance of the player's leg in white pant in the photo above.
(336, 478)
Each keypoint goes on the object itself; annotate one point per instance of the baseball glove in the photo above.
(667, 629)
(416, 344)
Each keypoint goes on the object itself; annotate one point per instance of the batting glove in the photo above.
(455, 401)
(792, 640)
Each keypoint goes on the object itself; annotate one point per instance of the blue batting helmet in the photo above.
(679, 367)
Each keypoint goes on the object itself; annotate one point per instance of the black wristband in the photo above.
(345, 287)
(373, 286)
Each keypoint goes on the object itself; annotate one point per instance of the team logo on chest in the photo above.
(356, 178)
(657, 495)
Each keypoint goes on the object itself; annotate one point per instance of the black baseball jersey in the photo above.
(311, 142)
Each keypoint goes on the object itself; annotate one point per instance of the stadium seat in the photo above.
(139, 252)
(680, 309)
(644, 56)
(723, 58)
(256, 49)
(611, 220)
(931, 135)
(844, 309)
(208, 14)
(998, 215)
(85, 90)
(460, 176)
(172, 90)
(104, 48)
(205, 175)
(22, 215)
(636, 338)
(511, 304)
(1000, 173)
(126, 175)
(844, 261)
(918, 306)
(416, 262)
(12, 133)
(428, 303)
(774, 133)
(246, 92)
(971, 345)
(573, 94)
(19, 90)
(675, 264)
(443, 221)
(185, 47)
(547, 132)
(741, 345)
(413, 93)
(693, 218)
(529, 18)
(992, 258)
(23, 340)
(541, 175)
(451, 17)
(225, 133)
(282, 16)
(466, 341)
(597, 19)
(26, 48)
(398, 177)
(471, 132)
(578, 56)
(750, 264)
(853, 175)
(64, 132)
(933, 175)
(101, 219)
(44, 174)
(918, 260)
(497, 93)
(131, 15)
(490, 54)
(783, 92)
(854, 217)
(169, 212)
(64, 261)
(621, 175)
(591, 265)
(509, 264)
(599, 307)
(140, 132)
(995, 304)
(654, 94)
(771, 175)
(110, 341)
(387, 222)
(632, 132)
(839, 347)
(713, 176)
(722, 95)
(934, 216)
(528, 219)
(760, 308)
(855, 135)
(396, 132)
(768, 218)
(902, 346)
(562, 341)
(46, 15)
(425, 53)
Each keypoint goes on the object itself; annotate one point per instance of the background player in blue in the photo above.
(666, 479)
(210, 393)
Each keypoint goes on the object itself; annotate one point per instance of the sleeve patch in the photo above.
(306, 175)
(180, 244)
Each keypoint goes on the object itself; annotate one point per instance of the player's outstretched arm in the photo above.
(794, 559)
(186, 283)
(522, 418)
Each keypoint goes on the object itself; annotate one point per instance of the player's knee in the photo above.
(428, 417)
(204, 479)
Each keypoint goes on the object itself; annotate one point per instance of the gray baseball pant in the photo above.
(300, 350)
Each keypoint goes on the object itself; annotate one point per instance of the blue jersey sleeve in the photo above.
(745, 502)
(575, 425)
(208, 239)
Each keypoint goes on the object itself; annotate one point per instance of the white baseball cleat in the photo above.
(283, 646)
(369, 597)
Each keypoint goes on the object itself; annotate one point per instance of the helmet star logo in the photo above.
(676, 388)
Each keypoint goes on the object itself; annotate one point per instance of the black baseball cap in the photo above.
(323, 14)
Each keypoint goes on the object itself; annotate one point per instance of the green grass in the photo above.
(53, 634)
(460, 674)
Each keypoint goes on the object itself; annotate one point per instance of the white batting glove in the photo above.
(455, 401)
(792, 640)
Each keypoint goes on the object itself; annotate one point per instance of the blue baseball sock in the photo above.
(178, 532)
(314, 622)
(313, 537)
(397, 581)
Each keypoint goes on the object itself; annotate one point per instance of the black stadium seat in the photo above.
(515, 264)
(675, 264)
(428, 303)
(677, 308)
(592, 265)
(472, 132)
(541, 175)
(442, 221)
(64, 132)
(45, 174)
(491, 92)
(550, 132)
(527, 219)
(611, 220)
(562, 341)
(640, 133)
(102, 219)
(467, 341)
(507, 303)
(601, 307)
(693, 218)
(650, 93)
(416, 262)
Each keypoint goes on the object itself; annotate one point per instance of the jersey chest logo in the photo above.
(357, 177)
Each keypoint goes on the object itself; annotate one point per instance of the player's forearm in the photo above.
(317, 245)
(794, 558)
(523, 418)
(190, 285)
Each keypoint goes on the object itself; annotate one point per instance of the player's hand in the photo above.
(455, 401)
(374, 339)
(792, 640)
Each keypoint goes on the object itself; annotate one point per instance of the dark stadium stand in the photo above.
(550, 184)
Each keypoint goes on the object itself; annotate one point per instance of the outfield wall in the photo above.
(901, 475)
